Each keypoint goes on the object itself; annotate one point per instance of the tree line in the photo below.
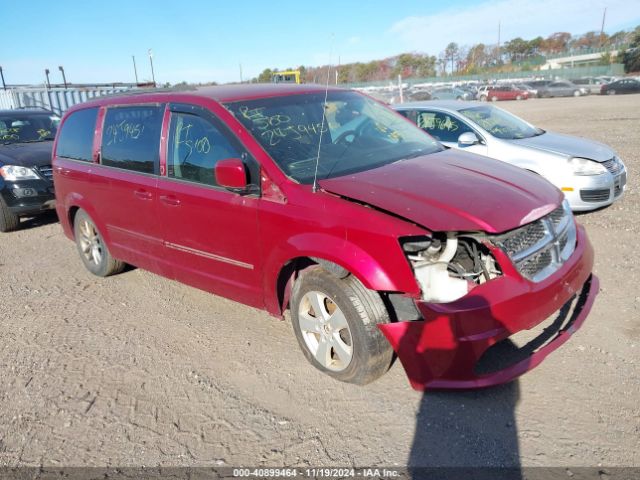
(516, 53)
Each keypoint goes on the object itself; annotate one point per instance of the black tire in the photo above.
(9, 221)
(363, 310)
(85, 230)
(483, 98)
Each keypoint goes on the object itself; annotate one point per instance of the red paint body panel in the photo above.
(238, 245)
(451, 190)
(442, 350)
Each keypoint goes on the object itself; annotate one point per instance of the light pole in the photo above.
(153, 76)
(46, 72)
(64, 78)
(4, 85)
(135, 70)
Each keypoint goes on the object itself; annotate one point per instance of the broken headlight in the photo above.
(447, 267)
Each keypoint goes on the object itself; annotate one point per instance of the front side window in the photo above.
(195, 146)
(357, 133)
(131, 138)
(76, 136)
(499, 123)
(26, 128)
(441, 126)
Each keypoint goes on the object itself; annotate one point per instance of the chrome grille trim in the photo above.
(614, 166)
(46, 171)
(539, 248)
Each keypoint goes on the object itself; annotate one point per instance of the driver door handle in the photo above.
(170, 200)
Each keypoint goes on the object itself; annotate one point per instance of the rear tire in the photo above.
(92, 248)
(335, 322)
(577, 93)
(9, 221)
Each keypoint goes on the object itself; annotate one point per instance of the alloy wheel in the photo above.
(325, 331)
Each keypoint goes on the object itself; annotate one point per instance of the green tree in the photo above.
(631, 56)
(451, 54)
(265, 76)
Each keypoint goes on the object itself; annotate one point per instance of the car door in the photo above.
(211, 235)
(124, 183)
(446, 128)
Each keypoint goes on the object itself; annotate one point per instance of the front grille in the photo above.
(541, 247)
(46, 171)
(613, 165)
(524, 238)
(599, 195)
(536, 263)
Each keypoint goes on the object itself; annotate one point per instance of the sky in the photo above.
(213, 40)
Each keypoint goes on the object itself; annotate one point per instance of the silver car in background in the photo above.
(590, 174)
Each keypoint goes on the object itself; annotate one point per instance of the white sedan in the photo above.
(590, 174)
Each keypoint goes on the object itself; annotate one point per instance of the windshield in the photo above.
(27, 127)
(500, 124)
(357, 133)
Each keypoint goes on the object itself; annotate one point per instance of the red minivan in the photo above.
(329, 204)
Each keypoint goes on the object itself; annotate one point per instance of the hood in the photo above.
(33, 154)
(567, 145)
(452, 191)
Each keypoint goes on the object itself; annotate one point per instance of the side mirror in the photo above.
(231, 173)
(467, 139)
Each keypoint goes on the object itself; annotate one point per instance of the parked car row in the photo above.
(524, 90)
(375, 235)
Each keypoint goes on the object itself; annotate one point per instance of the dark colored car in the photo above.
(327, 203)
(26, 187)
(625, 85)
(561, 89)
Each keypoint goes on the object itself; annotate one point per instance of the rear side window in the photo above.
(131, 138)
(76, 137)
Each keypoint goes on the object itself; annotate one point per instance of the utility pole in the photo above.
(64, 78)
(135, 70)
(4, 85)
(153, 76)
(240, 64)
(604, 14)
(498, 49)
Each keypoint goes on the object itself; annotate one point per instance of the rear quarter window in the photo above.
(131, 138)
(76, 136)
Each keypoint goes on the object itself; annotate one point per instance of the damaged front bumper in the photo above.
(443, 350)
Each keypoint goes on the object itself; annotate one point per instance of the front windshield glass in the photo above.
(499, 123)
(357, 134)
(23, 127)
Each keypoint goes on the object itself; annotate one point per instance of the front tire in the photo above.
(335, 322)
(92, 248)
(9, 221)
(577, 93)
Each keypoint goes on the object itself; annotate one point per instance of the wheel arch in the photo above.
(318, 250)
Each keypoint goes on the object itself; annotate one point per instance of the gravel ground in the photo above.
(138, 370)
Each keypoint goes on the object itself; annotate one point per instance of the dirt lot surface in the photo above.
(138, 370)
